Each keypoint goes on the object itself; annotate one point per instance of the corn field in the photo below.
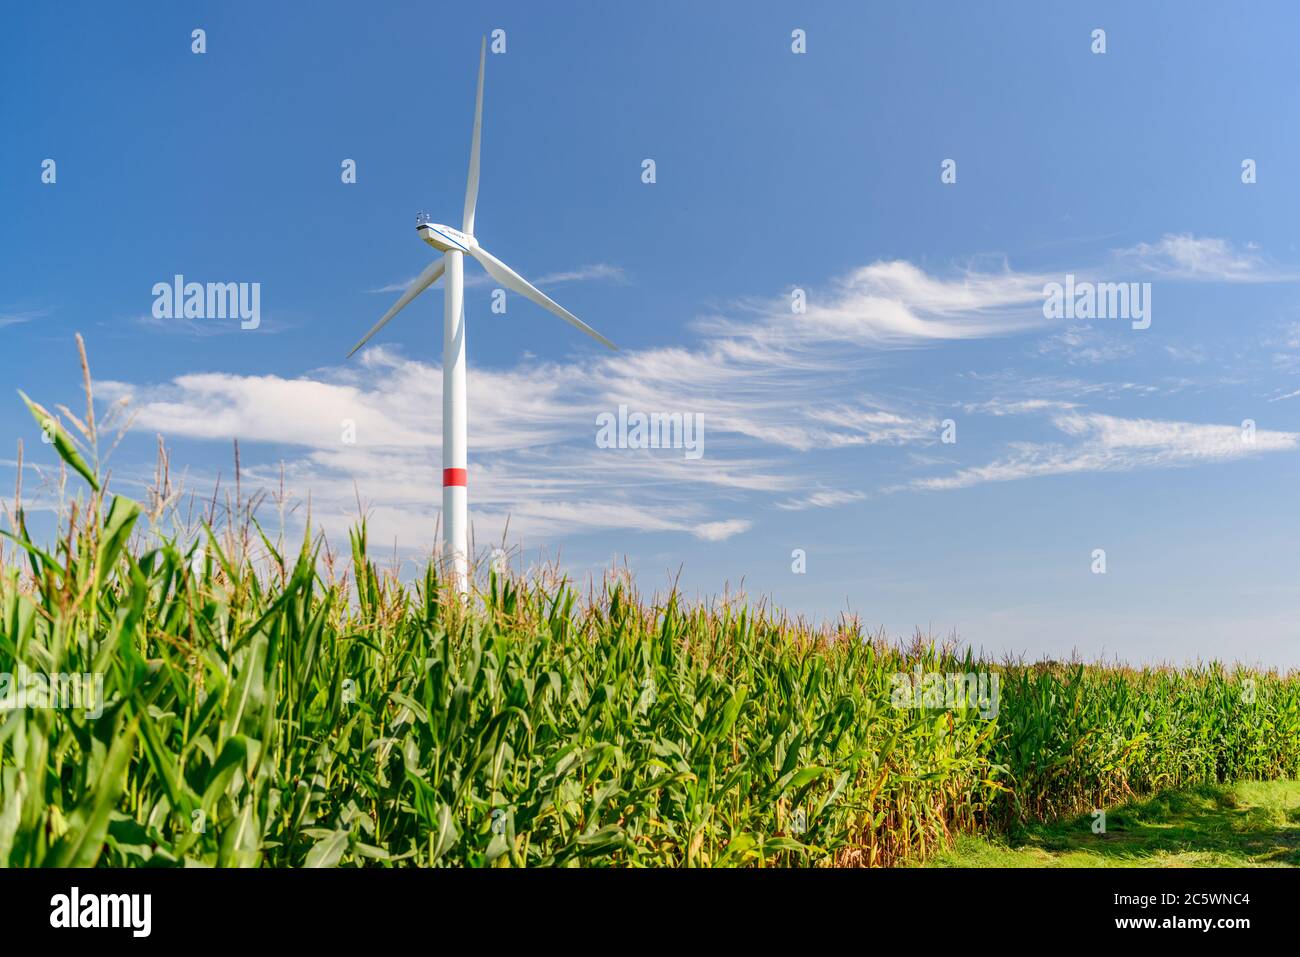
(263, 708)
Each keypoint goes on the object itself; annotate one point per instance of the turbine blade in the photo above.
(511, 279)
(471, 185)
(421, 283)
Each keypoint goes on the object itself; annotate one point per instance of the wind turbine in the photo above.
(454, 244)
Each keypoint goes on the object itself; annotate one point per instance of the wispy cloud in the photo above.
(763, 388)
(15, 317)
(1001, 407)
(822, 498)
(596, 272)
(372, 429)
(895, 304)
(864, 425)
(770, 388)
(204, 327)
(1184, 256)
(602, 272)
(1107, 443)
(1087, 345)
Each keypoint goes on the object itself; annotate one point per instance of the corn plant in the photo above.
(259, 710)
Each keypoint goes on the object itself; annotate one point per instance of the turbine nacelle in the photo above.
(445, 238)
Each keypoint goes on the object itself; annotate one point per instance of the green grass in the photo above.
(1248, 824)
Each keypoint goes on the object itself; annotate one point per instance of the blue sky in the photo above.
(774, 171)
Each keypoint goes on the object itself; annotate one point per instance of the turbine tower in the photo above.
(454, 244)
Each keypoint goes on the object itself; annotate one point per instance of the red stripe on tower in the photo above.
(455, 477)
